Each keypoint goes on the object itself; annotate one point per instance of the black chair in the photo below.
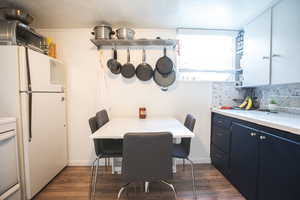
(182, 150)
(104, 148)
(147, 157)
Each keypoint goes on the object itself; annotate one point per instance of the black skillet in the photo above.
(144, 71)
(164, 81)
(113, 64)
(128, 70)
(164, 64)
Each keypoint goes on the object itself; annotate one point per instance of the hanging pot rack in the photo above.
(138, 43)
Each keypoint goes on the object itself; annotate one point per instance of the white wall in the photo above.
(92, 87)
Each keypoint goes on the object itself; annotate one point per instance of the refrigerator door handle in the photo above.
(29, 95)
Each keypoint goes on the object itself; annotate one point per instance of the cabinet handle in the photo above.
(265, 57)
(262, 137)
(253, 134)
(275, 55)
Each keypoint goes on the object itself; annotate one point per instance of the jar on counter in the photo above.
(142, 113)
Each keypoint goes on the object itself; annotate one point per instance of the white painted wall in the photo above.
(92, 87)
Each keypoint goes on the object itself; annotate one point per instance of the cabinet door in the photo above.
(221, 138)
(279, 173)
(285, 42)
(244, 160)
(257, 47)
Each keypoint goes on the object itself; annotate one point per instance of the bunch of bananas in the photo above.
(247, 103)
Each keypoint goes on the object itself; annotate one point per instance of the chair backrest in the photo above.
(93, 124)
(94, 127)
(147, 157)
(189, 123)
(102, 118)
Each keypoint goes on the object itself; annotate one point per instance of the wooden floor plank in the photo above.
(73, 184)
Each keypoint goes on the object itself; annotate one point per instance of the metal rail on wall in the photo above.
(134, 43)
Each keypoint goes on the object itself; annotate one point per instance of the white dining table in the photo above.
(116, 128)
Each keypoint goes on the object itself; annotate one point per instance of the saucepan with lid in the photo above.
(103, 32)
(125, 33)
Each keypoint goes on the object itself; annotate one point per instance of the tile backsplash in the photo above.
(286, 96)
(223, 94)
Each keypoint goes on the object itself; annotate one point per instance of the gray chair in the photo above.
(182, 150)
(147, 157)
(104, 148)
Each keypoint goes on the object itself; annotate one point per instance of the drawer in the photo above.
(221, 138)
(221, 122)
(8, 163)
(219, 160)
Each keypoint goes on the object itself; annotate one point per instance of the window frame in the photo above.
(199, 31)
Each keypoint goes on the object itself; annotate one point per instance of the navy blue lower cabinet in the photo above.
(279, 172)
(261, 162)
(244, 160)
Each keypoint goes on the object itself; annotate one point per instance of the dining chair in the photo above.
(182, 150)
(147, 157)
(104, 148)
(108, 144)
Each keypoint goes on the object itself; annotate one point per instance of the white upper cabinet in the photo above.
(257, 45)
(286, 42)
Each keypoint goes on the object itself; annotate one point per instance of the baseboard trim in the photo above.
(203, 160)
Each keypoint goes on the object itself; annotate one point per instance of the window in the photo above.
(206, 54)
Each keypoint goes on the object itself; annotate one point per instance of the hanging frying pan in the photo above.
(144, 71)
(164, 64)
(110, 61)
(164, 81)
(128, 70)
(113, 64)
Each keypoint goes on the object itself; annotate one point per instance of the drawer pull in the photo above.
(262, 137)
(253, 134)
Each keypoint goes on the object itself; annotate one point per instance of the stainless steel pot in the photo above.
(15, 14)
(125, 33)
(103, 32)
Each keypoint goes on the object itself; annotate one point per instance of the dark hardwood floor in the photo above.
(73, 184)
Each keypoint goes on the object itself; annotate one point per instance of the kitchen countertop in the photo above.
(282, 121)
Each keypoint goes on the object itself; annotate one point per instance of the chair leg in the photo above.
(171, 186)
(92, 177)
(122, 189)
(183, 164)
(147, 186)
(95, 178)
(194, 189)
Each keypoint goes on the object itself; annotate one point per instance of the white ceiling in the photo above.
(229, 14)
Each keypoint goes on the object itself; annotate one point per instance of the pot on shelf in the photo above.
(103, 32)
(125, 33)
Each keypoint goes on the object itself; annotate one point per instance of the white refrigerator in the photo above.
(31, 90)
